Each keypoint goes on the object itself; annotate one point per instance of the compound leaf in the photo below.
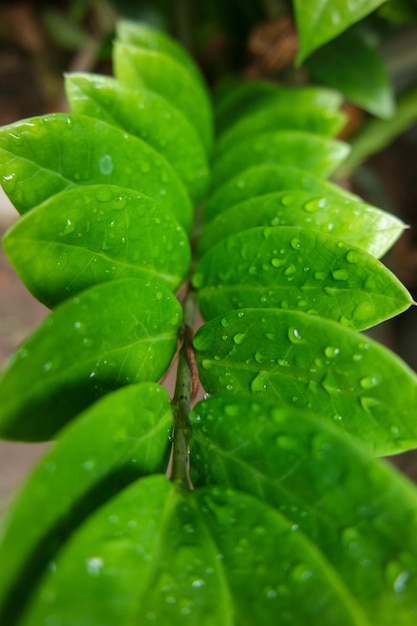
(313, 364)
(360, 513)
(111, 335)
(87, 235)
(42, 156)
(120, 438)
(301, 269)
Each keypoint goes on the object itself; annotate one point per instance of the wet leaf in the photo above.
(111, 335)
(42, 156)
(153, 554)
(281, 268)
(360, 513)
(317, 365)
(147, 115)
(320, 21)
(117, 440)
(313, 119)
(319, 156)
(341, 215)
(337, 63)
(88, 235)
(251, 96)
(139, 67)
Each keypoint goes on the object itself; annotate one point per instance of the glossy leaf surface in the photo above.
(42, 156)
(320, 21)
(249, 97)
(313, 119)
(139, 67)
(337, 63)
(301, 269)
(147, 115)
(87, 235)
(343, 216)
(117, 440)
(312, 364)
(318, 156)
(361, 513)
(109, 336)
(153, 554)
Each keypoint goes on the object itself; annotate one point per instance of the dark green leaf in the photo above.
(316, 155)
(313, 119)
(402, 11)
(44, 155)
(120, 438)
(340, 215)
(88, 235)
(139, 67)
(312, 364)
(319, 21)
(113, 334)
(259, 180)
(147, 115)
(299, 269)
(352, 64)
(249, 97)
(359, 512)
(155, 555)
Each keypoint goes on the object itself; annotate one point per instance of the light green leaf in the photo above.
(313, 119)
(153, 554)
(139, 67)
(318, 156)
(353, 65)
(111, 335)
(340, 215)
(248, 97)
(259, 180)
(299, 269)
(88, 235)
(359, 511)
(144, 36)
(147, 115)
(316, 365)
(42, 156)
(120, 438)
(319, 21)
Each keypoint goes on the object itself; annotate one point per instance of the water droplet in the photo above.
(340, 274)
(277, 262)
(94, 566)
(295, 243)
(353, 257)
(291, 269)
(104, 194)
(106, 165)
(314, 205)
(320, 275)
(239, 338)
(207, 364)
(259, 357)
(288, 200)
(240, 314)
(369, 382)
(331, 352)
(196, 584)
(260, 382)
(68, 228)
(294, 335)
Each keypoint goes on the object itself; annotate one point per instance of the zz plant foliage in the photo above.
(271, 506)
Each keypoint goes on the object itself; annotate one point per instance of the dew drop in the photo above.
(353, 257)
(295, 243)
(239, 338)
(260, 382)
(320, 275)
(340, 274)
(294, 335)
(331, 352)
(369, 382)
(69, 227)
(106, 165)
(277, 262)
(259, 357)
(103, 194)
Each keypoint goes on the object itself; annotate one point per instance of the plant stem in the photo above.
(182, 398)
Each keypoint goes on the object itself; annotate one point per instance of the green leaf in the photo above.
(147, 115)
(282, 268)
(347, 217)
(313, 364)
(42, 156)
(352, 64)
(313, 119)
(360, 513)
(316, 155)
(259, 180)
(139, 67)
(153, 554)
(144, 36)
(88, 235)
(319, 21)
(401, 11)
(120, 438)
(248, 97)
(111, 335)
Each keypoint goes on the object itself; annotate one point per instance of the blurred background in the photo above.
(39, 41)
